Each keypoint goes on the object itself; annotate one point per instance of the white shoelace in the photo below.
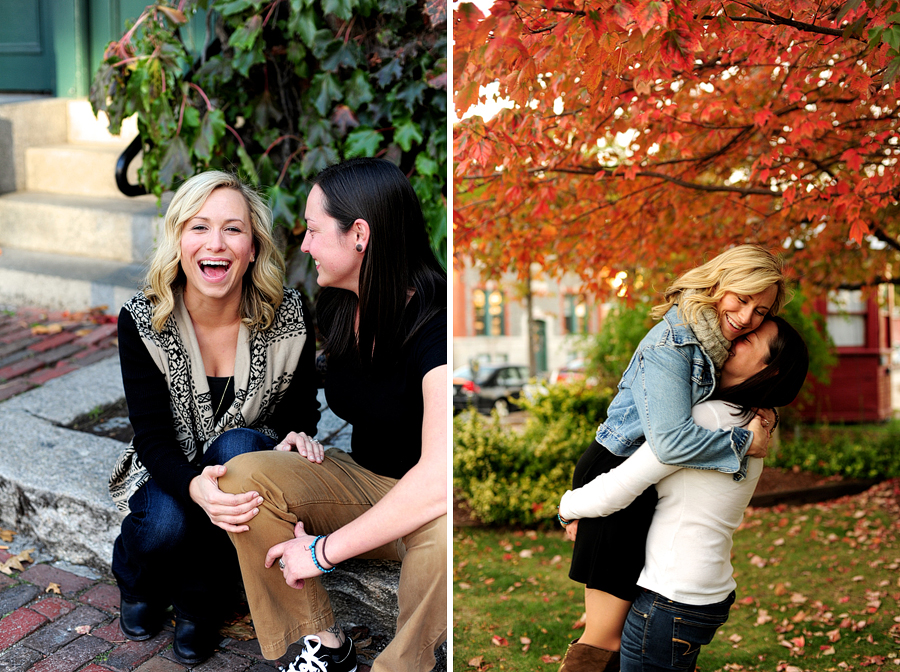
(310, 662)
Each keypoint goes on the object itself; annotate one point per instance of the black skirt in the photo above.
(609, 551)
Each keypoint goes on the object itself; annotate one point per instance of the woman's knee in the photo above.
(241, 472)
(154, 531)
(234, 442)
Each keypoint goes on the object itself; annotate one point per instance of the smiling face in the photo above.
(739, 314)
(748, 355)
(217, 247)
(337, 259)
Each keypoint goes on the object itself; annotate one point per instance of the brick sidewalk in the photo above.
(37, 345)
(78, 629)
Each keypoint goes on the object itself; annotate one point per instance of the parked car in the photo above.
(573, 371)
(490, 386)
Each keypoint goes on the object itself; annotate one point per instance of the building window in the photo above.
(847, 318)
(576, 315)
(489, 312)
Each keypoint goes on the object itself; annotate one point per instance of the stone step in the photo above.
(115, 229)
(61, 282)
(86, 169)
(83, 126)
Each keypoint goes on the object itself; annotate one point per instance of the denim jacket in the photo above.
(668, 374)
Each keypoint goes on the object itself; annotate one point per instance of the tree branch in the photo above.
(776, 20)
(744, 191)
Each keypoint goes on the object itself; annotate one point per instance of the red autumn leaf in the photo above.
(497, 640)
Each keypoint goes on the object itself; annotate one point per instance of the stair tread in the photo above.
(71, 267)
(136, 205)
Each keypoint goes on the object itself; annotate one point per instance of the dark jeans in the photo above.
(169, 552)
(661, 634)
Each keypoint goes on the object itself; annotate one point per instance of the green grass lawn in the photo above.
(818, 591)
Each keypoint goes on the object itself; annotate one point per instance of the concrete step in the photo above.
(83, 126)
(115, 229)
(62, 282)
(86, 169)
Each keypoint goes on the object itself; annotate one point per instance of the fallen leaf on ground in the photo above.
(497, 640)
(547, 658)
(7, 535)
(53, 588)
(15, 562)
(46, 329)
(83, 629)
(241, 630)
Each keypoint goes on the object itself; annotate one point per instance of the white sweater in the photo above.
(689, 542)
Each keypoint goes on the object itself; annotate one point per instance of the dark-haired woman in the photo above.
(686, 584)
(382, 311)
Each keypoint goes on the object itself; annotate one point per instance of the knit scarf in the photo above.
(263, 369)
(708, 331)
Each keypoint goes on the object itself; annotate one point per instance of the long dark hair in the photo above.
(779, 383)
(398, 258)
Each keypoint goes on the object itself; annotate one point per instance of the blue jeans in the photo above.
(661, 634)
(169, 552)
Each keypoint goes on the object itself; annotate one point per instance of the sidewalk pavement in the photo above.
(60, 606)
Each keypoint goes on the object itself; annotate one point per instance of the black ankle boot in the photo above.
(139, 620)
(194, 641)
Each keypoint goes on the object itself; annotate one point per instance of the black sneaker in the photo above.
(318, 658)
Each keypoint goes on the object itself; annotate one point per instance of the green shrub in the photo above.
(509, 477)
(852, 452)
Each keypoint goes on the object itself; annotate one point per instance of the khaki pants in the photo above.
(325, 497)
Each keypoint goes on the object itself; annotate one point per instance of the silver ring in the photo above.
(281, 562)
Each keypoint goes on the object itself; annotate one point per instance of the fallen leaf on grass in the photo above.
(53, 588)
(476, 662)
(497, 640)
(526, 644)
(580, 623)
(547, 658)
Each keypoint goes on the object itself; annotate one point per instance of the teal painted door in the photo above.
(56, 46)
(27, 61)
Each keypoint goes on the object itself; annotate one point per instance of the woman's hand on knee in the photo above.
(227, 511)
(304, 444)
(294, 558)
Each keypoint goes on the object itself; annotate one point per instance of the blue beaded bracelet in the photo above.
(312, 550)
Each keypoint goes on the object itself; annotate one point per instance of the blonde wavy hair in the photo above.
(263, 288)
(745, 269)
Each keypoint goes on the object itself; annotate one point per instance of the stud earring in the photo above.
(359, 247)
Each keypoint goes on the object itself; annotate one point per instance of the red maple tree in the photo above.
(649, 136)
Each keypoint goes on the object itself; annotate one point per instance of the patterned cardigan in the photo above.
(263, 369)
